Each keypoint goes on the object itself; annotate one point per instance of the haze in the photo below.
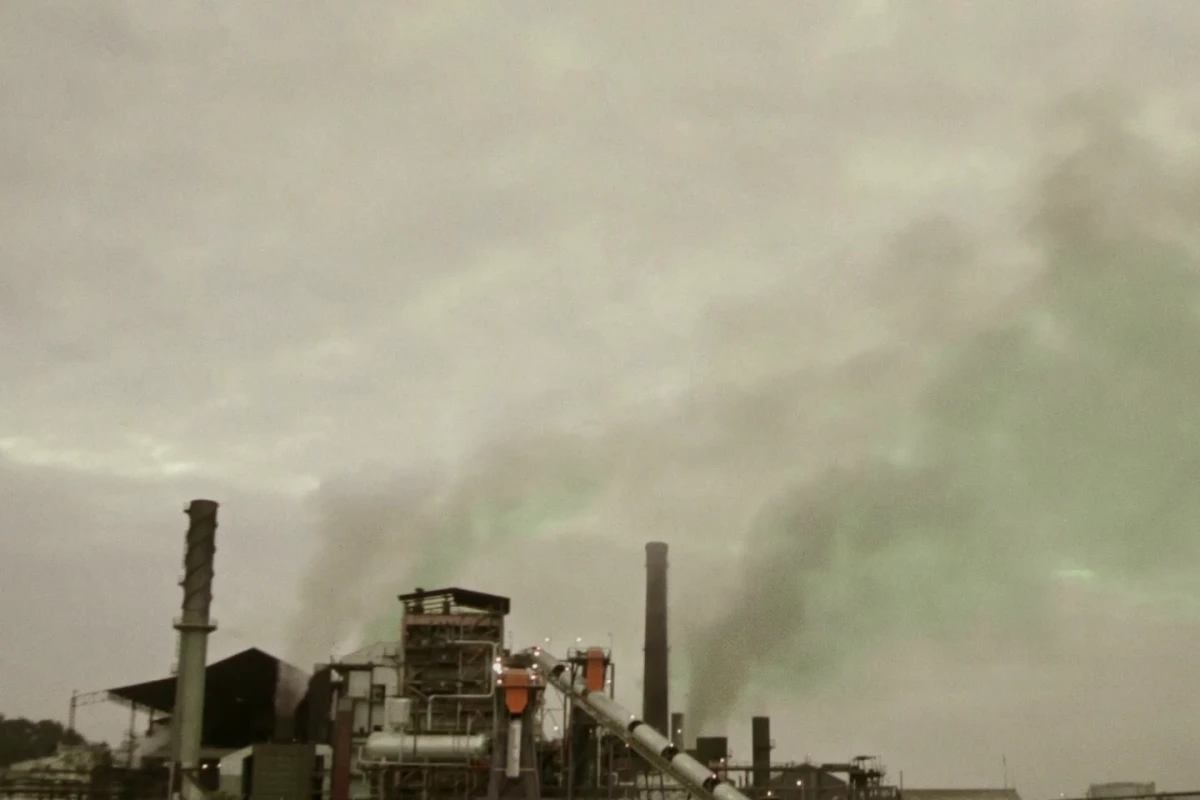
(882, 315)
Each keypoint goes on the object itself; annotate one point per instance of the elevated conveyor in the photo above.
(649, 743)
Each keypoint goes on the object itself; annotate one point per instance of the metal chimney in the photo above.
(194, 626)
(655, 689)
(760, 750)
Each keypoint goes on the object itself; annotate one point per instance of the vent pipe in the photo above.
(760, 750)
(655, 690)
(194, 625)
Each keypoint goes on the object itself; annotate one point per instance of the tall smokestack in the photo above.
(760, 750)
(194, 626)
(655, 691)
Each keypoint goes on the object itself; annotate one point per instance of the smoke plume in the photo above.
(1058, 437)
(922, 440)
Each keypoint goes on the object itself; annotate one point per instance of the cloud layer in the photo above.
(495, 296)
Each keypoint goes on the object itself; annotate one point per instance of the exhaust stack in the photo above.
(655, 689)
(760, 750)
(193, 625)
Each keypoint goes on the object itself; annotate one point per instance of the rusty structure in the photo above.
(588, 762)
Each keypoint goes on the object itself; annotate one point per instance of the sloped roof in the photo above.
(250, 671)
(248, 697)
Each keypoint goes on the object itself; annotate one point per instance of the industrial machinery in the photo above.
(447, 713)
(427, 717)
(465, 718)
(650, 744)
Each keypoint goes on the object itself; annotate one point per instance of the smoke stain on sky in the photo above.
(929, 483)
(1065, 432)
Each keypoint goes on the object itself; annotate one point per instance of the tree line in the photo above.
(24, 739)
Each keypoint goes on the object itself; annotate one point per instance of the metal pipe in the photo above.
(491, 692)
(194, 625)
(393, 746)
(651, 744)
(512, 766)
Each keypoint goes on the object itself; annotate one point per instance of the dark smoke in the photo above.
(382, 534)
(924, 448)
(1065, 435)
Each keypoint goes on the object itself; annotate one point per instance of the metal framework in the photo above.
(79, 700)
(451, 641)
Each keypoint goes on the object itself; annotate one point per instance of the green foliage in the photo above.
(23, 739)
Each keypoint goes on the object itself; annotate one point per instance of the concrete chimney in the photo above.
(193, 625)
(760, 750)
(655, 689)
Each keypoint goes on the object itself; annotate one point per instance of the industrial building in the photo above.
(249, 697)
(445, 711)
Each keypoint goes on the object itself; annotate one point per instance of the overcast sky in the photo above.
(370, 273)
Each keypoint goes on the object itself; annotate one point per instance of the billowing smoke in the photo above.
(1059, 437)
(380, 531)
(918, 440)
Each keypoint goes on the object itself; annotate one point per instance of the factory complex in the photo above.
(447, 711)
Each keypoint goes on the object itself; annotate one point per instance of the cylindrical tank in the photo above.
(392, 746)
